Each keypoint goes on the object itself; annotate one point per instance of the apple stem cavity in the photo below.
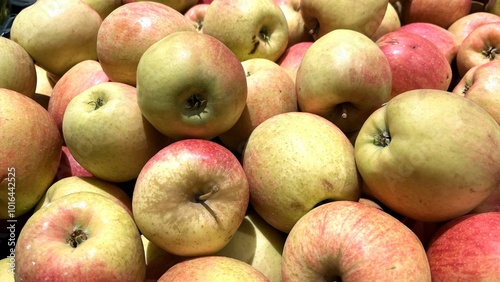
(344, 111)
(490, 54)
(77, 237)
(97, 103)
(383, 139)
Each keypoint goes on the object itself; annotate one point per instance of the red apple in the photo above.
(462, 27)
(441, 13)
(68, 166)
(77, 79)
(291, 58)
(466, 248)
(297, 31)
(415, 62)
(196, 15)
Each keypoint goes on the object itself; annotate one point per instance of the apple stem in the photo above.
(344, 111)
(77, 237)
(205, 196)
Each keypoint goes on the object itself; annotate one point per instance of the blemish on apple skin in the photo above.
(472, 190)
(327, 184)
(255, 46)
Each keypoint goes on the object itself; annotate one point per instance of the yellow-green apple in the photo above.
(44, 85)
(103, 7)
(271, 91)
(7, 268)
(415, 155)
(179, 5)
(30, 150)
(177, 94)
(107, 134)
(492, 6)
(481, 85)
(80, 237)
(462, 27)
(416, 62)
(440, 13)
(297, 31)
(295, 161)
(481, 46)
(127, 32)
(390, 22)
(191, 197)
(57, 34)
(292, 57)
(322, 16)
(251, 29)
(213, 268)
(349, 241)
(158, 261)
(77, 79)
(259, 244)
(68, 166)
(77, 184)
(196, 15)
(343, 77)
(441, 37)
(466, 248)
(17, 68)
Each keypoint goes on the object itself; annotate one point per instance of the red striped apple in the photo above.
(440, 13)
(196, 15)
(462, 27)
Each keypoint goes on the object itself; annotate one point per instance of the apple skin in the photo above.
(297, 31)
(112, 251)
(54, 46)
(213, 268)
(68, 166)
(321, 16)
(480, 46)
(416, 63)
(173, 84)
(196, 15)
(158, 261)
(292, 57)
(441, 37)
(187, 211)
(353, 242)
(295, 161)
(17, 68)
(390, 22)
(6, 270)
(107, 134)
(462, 27)
(31, 146)
(347, 88)
(491, 204)
(251, 29)
(441, 13)
(480, 84)
(127, 32)
(466, 248)
(179, 5)
(271, 91)
(77, 79)
(103, 7)
(419, 167)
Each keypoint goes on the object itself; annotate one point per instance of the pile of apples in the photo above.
(251, 140)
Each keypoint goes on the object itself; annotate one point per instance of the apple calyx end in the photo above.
(383, 139)
(490, 54)
(97, 103)
(77, 237)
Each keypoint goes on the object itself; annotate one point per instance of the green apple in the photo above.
(80, 237)
(295, 161)
(429, 155)
(390, 22)
(57, 34)
(17, 68)
(104, 7)
(107, 134)
(251, 29)
(190, 85)
(343, 77)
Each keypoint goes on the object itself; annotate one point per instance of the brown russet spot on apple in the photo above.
(327, 184)
(77, 237)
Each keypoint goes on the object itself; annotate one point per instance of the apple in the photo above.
(480, 46)
(251, 29)
(7, 269)
(343, 77)
(191, 197)
(492, 6)
(441, 37)
(390, 22)
(54, 46)
(127, 32)
(462, 27)
(200, 93)
(80, 237)
(68, 166)
(212, 268)
(77, 79)
(258, 244)
(416, 62)
(205, 1)
(179, 5)
(297, 31)
(423, 230)
(466, 248)
(30, 150)
(107, 134)
(293, 162)
(322, 16)
(271, 91)
(77, 184)
(44, 85)
(103, 7)
(481, 85)
(196, 15)
(158, 261)
(349, 241)
(415, 155)
(292, 57)
(17, 69)
(440, 13)
(491, 204)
